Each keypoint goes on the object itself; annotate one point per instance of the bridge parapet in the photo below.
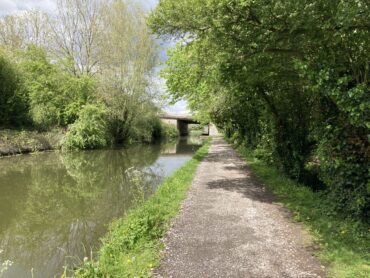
(182, 122)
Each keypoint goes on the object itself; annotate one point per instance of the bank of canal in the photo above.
(55, 207)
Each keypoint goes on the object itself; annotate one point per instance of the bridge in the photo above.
(182, 122)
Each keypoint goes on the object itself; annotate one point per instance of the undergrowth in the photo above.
(343, 243)
(132, 246)
(26, 141)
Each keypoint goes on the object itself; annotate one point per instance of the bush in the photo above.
(169, 131)
(89, 131)
(13, 97)
(144, 129)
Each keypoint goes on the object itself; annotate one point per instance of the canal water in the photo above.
(55, 207)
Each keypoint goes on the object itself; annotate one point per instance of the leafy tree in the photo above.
(60, 64)
(56, 97)
(13, 97)
(289, 78)
(126, 73)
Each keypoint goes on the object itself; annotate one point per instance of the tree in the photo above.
(126, 70)
(77, 31)
(13, 98)
(19, 30)
(65, 65)
(295, 77)
(55, 96)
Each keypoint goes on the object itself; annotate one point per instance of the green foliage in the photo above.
(146, 127)
(13, 97)
(89, 131)
(132, 246)
(168, 131)
(342, 242)
(56, 97)
(131, 115)
(164, 131)
(26, 141)
(288, 78)
(47, 95)
(47, 86)
(344, 169)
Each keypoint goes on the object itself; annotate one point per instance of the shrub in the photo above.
(89, 131)
(144, 128)
(169, 131)
(13, 97)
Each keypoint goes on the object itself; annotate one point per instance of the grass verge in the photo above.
(26, 141)
(343, 243)
(133, 244)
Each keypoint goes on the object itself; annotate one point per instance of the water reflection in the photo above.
(54, 207)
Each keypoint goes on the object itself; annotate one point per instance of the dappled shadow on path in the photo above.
(235, 176)
(244, 186)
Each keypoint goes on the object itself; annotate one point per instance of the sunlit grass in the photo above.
(343, 243)
(132, 246)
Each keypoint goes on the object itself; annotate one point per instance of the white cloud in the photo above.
(13, 6)
(179, 108)
(148, 4)
(7, 6)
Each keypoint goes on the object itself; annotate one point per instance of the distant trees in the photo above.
(89, 53)
(290, 79)
(31, 27)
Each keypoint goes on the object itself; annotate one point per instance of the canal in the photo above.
(55, 207)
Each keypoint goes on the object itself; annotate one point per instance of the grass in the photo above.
(26, 141)
(133, 244)
(196, 132)
(343, 243)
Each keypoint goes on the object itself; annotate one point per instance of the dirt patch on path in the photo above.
(229, 226)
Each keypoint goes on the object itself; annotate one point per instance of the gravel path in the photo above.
(230, 226)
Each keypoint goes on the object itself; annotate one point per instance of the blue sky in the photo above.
(12, 6)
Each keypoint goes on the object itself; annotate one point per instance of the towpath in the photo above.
(230, 226)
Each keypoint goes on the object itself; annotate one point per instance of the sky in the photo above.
(13, 6)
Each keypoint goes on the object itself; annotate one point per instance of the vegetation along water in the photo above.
(56, 74)
(285, 81)
(54, 207)
(289, 79)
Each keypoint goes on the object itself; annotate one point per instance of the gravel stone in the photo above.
(231, 226)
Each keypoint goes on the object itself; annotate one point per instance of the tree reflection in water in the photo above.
(54, 207)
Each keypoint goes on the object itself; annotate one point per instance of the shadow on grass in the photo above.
(344, 242)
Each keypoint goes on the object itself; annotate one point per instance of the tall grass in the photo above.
(133, 244)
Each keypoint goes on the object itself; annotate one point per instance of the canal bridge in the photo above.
(183, 121)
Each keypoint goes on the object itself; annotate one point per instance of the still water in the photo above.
(54, 207)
